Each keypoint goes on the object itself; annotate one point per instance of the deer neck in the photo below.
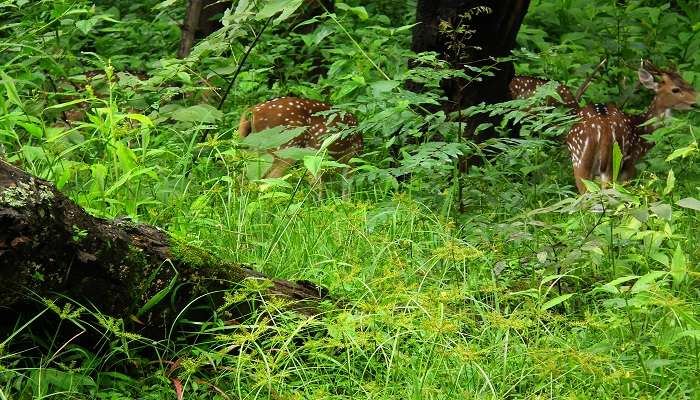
(655, 110)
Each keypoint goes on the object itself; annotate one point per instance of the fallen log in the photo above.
(50, 248)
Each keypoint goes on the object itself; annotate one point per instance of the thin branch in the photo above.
(243, 60)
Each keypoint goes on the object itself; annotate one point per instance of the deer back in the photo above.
(523, 87)
(296, 112)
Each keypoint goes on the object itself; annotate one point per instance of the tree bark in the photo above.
(189, 27)
(50, 247)
(493, 37)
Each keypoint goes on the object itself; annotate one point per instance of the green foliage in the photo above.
(531, 292)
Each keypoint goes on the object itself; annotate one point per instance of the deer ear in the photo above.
(647, 79)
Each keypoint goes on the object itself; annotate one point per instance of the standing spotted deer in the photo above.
(298, 112)
(590, 141)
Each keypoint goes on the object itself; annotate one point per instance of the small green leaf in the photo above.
(86, 25)
(359, 11)
(645, 281)
(617, 160)
(295, 153)
(683, 152)
(556, 301)
(313, 164)
(158, 297)
(11, 89)
(164, 4)
(670, 182)
(144, 120)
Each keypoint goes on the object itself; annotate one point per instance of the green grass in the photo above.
(531, 292)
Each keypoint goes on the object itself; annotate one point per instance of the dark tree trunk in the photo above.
(189, 27)
(493, 36)
(50, 247)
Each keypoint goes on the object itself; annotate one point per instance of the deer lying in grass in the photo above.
(298, 112)
(591, 139)
(523, 87)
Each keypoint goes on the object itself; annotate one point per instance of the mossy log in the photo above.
(50, 248)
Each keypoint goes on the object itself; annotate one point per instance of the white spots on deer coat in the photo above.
(299, 112)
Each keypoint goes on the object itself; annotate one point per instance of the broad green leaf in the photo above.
(683, 152)
(126, 156)
(86, 25)
(359, 11)
(144, 120)
(659, 257)
(199, 113)
(617, 160)
(689, 202)
(645, 281)
(556, 301)
(689, 333)
(380, 87)
(98, 174)
(611, 287)
(284, 7)
(590, 186)
(313, 164)
(641, 213)
(662, 210)
(164, 4)
(295, 153)
(272, 138)
(275, 195)
(33, 129)
(130, 175)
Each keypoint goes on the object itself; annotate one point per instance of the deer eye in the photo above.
(676, 90)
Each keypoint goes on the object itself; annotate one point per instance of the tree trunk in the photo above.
(51, 248)
(493, 36)
(189, 27)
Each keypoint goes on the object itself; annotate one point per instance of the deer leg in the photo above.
(317, 183)
(605, 163)
(628, 171)
(583, 165)
(345, 191)
(278, 167)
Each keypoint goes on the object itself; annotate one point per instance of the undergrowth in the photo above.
(531, 292)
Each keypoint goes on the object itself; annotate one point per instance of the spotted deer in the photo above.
(298, 112)
(591, 140)
(523, 87)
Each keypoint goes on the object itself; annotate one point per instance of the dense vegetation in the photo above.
(531, 292)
